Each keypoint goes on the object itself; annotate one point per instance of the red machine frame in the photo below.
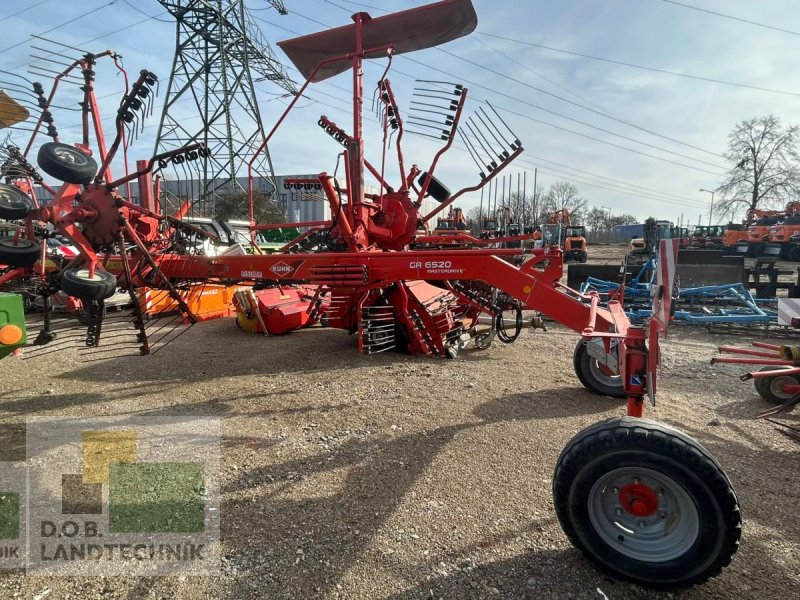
(638, 497)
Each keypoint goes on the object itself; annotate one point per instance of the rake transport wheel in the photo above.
(771, 388)
(647, 503)
(22, 254)
(66, 163)
(595, 377)
(14, 203)
(78, 284)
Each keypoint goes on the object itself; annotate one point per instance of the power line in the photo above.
(495, 91)
(87, 13)
(27, 8)
(601, 113)
(584, 135)
(642, 67)
(719, 14)
(141, 12)
(586, 177)
(494, 71)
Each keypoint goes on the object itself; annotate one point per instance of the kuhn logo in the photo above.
(281, 268)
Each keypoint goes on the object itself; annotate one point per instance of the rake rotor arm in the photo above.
(453, 129)
(56, 80)
(152, 161)
(474, 188)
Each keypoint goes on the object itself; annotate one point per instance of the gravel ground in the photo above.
(390, 476)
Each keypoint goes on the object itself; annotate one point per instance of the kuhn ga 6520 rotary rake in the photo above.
(641, 499)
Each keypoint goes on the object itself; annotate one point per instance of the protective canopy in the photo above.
(409, 30)
(11, 112)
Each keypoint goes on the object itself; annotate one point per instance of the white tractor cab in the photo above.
(552, 234)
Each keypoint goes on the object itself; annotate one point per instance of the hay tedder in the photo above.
(639, 498)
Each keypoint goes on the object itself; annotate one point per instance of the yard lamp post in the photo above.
(711, 210)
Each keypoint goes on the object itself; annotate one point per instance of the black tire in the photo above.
(769, 388)
(755, 250)
(692, 526)
(436, 189)
(793, 253)
(14, 203)
(593, 379)
(24, 254)
(75, 283)
(66, 163)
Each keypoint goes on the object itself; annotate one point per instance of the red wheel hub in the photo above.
(638, 499)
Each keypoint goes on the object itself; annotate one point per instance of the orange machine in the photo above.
(575, 244)
(758, 223)
(206, 301)
(735, 233)
(780, 237)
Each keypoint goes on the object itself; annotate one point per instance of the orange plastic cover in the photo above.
(409, 30)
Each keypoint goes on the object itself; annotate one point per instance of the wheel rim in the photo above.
(83, 274)
(643, 514)
(776, 386)
(11, 200)
(20, 244)
(601, 377)
(70, 156)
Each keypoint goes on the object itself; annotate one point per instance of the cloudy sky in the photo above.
(632, 140)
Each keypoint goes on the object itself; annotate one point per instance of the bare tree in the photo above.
(562, 195)
(235, 206)
(597, 219)
(766, 169)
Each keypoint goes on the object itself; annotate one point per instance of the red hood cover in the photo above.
(409, 30)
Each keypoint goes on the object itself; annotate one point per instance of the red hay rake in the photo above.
(117, 241)
(639, 498)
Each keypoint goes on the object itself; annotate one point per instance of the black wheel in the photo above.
(771, 388)
(66, 163)
(483, 338)
(647, 503)
(78, 284)
(594, 376)
(14, 203)
(436, 189)
(24, 254)
(756, 250)
(793, 253)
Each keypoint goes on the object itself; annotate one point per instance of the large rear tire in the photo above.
(594, 376)
(647, 503)
(78, 284)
